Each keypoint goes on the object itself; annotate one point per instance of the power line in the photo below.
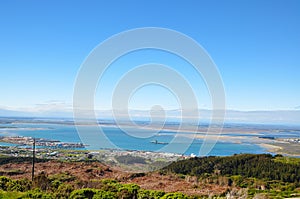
(33, 159)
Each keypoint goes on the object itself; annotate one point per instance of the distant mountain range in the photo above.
(278, 117)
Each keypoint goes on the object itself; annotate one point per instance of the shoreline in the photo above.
(228, 134)
(271, 148)
(282, 150)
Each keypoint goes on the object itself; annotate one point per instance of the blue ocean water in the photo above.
(120, 139)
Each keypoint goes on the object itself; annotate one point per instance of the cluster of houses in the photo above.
(292, 140)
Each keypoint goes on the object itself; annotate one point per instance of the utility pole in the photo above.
(33, 159)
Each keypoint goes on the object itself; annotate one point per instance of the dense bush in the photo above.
(105, 195)
(83, 193)
(149, 194)
(261, 166)
(174, 196)
(51, 188)
(6, 184)
(6, 160)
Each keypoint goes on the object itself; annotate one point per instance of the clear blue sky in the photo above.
(255, 44)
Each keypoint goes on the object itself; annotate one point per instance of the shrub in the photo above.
(4, 182)
(174, 196)
(83, 193)
(105, 195)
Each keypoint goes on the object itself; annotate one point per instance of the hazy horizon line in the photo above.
(258, 116)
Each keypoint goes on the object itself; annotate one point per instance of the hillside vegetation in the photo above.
(264, 166)
(276, 176)
(238, 176)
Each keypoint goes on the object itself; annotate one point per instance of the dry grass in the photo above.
(89, 171)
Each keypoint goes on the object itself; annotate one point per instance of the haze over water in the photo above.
(68, 133)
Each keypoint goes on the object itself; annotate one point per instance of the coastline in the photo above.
(271, 148)
(286, 149)
(233, 135)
